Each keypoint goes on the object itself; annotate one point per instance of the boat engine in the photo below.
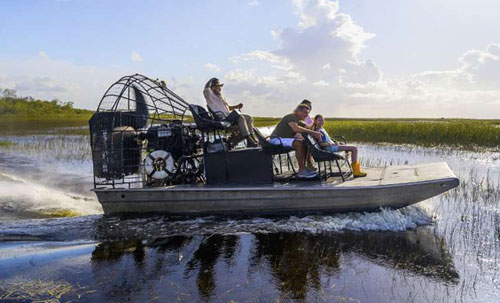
(142, 135)
(170, 149)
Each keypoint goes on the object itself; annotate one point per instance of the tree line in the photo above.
(12, 104)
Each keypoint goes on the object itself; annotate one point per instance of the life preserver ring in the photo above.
(159, 165)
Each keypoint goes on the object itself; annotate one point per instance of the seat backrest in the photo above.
(312, 143)
(199, 111)
(317, 152)
(260, 137)
(200, 115)
(204, 121)
(269, 148)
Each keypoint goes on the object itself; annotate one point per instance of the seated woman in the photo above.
(328, 144)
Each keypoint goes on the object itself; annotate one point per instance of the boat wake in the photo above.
(21, 198)
(119, 228)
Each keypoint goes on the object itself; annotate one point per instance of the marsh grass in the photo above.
(41, 291)
(53, 147)
(265, 121)
(464, 133)
(60, 213)
(27, 126)
(469, 134)
(7, 143)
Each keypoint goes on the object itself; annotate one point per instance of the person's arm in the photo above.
(299, 129)
(209, 83)
(237, 106)
(209, 95)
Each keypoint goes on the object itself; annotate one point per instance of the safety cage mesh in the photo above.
(142, 136)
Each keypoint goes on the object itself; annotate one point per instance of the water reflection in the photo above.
(291, 265)
(205, 258)
(296, 260)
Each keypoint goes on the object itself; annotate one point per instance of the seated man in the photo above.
(223, 111)
(288, 132)
(308, 123)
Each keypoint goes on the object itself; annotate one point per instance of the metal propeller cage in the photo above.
(129, 108)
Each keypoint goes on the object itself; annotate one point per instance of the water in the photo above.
(55, 244)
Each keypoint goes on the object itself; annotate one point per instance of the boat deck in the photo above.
(377, 176)
(401, 174)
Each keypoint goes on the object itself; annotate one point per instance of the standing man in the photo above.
(218, 105)
(288, 133)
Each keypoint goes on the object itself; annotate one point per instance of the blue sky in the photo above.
(352, 58)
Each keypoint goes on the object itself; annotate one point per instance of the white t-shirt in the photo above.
(215, 103)
(325, 137)
(308, 121)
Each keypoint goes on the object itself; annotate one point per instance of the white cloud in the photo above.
(472, 89)
(319, 60)
(275, 33)
(321, 53)
(477, 70)
(212, 67)
(254, 3)
(136, 57)
(42, 84)
(321, 83)
(43, 54)
(48, 79)
(314, 12)
(324, 47)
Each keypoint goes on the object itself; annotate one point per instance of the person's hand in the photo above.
(317, 135)
(209, 83)
(239, 106)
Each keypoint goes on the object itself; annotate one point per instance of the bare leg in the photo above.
(242, 123)
(352, 149)
(249, 122)
(356, 167)
(309, 159)
(299, 153)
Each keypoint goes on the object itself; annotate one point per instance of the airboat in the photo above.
(153, 152)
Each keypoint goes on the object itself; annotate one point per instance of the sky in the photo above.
(351, 58)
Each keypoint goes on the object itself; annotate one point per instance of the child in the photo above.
(328, 144)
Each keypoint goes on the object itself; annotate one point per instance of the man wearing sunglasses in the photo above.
(221, 110)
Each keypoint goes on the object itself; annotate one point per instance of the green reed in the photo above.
(464, 133)
(265, 121)
(446, 132)
(7, 143)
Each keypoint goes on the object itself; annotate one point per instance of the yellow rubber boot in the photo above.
(356, 169)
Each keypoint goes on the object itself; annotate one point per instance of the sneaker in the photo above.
(307, 174)
(311, 166)
(312, 170)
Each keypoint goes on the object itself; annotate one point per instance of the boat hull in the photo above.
(396, 187)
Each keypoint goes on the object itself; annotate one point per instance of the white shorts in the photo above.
(288, 142)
